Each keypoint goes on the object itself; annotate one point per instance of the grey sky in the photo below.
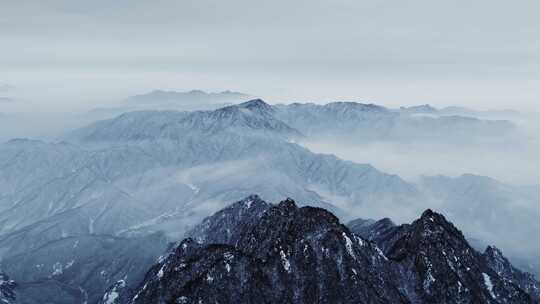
(76, 54)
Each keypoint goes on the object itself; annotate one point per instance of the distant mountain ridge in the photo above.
(348, 120)
(251, 117)
(461, 111)
(158, 97)
(358, 122)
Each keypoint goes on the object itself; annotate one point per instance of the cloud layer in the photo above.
(73, 53)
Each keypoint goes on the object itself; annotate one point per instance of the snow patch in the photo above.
(359, 241)
(379, 251)
(429, 280)
(160, 272)
(228, 257)
(348, 245)
(285, 261)
(194, 188)
(489, 284)
(68, 265)
(111, 296)
(57, 269)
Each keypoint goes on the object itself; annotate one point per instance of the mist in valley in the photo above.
(491, 189)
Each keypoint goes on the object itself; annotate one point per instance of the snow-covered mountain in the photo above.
(250, 118)
(145, 172)
(140, 173)
(285, 254)
(421, 109)
(367, 122)
(461, 111)
(82, 266)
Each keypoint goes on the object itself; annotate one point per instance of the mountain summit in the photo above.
(253, 117)
(281, 253)
(257, 105)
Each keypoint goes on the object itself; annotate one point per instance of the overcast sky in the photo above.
(73, 54)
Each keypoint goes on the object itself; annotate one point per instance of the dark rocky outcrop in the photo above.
(254, 252)
(500, 264)
(7, 289)
(290, 255)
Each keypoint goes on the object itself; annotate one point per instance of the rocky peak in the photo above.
(444, 267)
(383, 232)
(501, 265)
(287, 254)
(226, 225)
(382, 224)
(433, 226)
(256, 105)
(287, 205)
(429, 236)
(496, 254)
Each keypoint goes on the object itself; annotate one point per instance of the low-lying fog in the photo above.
(514, 163)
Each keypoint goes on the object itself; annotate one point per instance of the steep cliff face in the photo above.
(253, 252)
(443, 268)
(437, 257)
(500, 264)
(290, 255)
(226, 226)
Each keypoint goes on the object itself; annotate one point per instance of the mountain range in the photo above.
(356, 122)
(461, 111)
(146, 178)
(253, 251)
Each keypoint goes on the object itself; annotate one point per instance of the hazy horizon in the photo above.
(76, 55)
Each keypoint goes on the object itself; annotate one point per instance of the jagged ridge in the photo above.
(282, 253)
